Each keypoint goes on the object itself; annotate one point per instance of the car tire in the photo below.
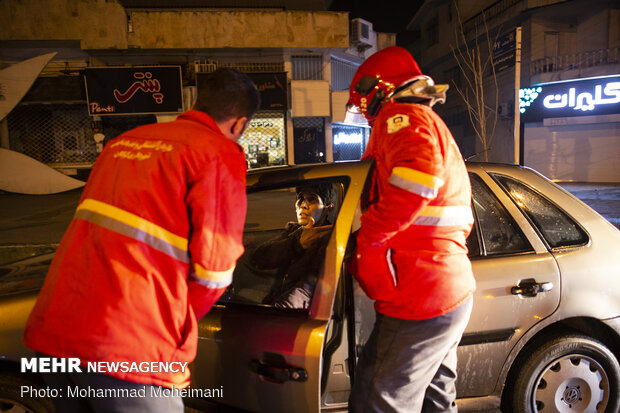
(11, 399)
(572, 373)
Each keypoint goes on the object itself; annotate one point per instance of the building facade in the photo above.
(301, 60)
(575, 42)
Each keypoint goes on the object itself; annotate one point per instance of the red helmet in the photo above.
(377, 78)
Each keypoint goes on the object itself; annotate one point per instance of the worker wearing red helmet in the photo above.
(411, 255)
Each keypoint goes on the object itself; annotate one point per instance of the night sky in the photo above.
(385, 15)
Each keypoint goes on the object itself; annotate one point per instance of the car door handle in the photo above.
(278, 373)
(531, 288)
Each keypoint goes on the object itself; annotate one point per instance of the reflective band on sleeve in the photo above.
(133, 226)
(417, 182)
(443, 216)
(211, 279)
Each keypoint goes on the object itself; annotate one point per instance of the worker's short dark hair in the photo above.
(325, 191)
(227, 93)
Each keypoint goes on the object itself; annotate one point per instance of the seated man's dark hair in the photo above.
(325, 191)
(227, 93)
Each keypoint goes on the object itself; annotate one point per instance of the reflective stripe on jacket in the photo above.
(418, 216)
(153, 244)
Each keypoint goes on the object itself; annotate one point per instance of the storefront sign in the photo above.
(583, 97)
(504, 51)
(271, 86)
(133, 90)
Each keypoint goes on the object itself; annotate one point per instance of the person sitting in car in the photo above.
(296, 253)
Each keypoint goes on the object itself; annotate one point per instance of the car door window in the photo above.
(556, 226)
(284, 251)
(495, 231)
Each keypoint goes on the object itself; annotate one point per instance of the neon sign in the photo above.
(593, 96)
(146, 85)
(348, 138)
(584, 101)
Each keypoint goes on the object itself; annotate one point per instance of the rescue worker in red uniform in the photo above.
(411, 254)
(151, 247)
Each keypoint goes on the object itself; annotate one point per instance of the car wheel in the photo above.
(11, 400)
(568, 374)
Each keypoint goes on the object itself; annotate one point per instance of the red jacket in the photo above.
(412, 254)
(151, 247)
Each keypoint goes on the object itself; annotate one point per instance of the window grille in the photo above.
(342, 74)
(309, 122)
(307, 67)
(61, 135)
(349, 142)
(55, 134)
(211, 65)
(115, 125)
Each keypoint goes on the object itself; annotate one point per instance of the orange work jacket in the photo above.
(151, 247)
(412, 243)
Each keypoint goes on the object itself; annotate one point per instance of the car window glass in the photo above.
(284, 249)
(499, 232)
(556, 227)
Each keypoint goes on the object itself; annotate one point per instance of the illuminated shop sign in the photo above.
(584, 97)
(133, 90)
(343, 138)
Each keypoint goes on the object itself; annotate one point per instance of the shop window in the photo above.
(55, 134)
(309, 139)
(264, 141)
(349, 142)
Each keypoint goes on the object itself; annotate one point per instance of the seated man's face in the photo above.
(309, 207)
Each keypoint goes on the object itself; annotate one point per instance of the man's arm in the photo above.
(276, 252)
(217, 207)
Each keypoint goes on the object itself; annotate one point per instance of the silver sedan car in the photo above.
(544, 335)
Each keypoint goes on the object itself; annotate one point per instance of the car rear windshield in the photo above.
(556, 226)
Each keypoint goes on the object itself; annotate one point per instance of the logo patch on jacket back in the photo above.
(397, 122)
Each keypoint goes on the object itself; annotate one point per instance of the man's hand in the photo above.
(310, 223)
(310, 234)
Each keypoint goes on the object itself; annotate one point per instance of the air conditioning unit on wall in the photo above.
(361, 31)
(505, 110)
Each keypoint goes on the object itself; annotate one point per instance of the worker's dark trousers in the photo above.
(410, 365)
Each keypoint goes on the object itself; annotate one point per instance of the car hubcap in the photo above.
(574, 383)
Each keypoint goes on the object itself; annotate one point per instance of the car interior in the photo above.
(253, 283)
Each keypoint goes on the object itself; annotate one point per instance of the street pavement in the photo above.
(603, 198)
